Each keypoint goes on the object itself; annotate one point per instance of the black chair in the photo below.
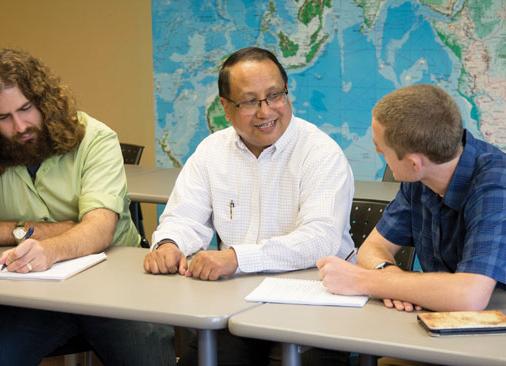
(132, 155)
(364, 216)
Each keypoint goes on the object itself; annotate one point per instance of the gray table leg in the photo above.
(208, 352)
(291, 355)
(368, 360)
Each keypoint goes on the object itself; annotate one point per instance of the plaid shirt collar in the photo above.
(462, 177)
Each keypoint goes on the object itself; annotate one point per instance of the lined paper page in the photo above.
(295, 291)
(59, 271)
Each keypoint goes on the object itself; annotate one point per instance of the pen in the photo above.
(28, 234)
(353, 251)
(231, 205)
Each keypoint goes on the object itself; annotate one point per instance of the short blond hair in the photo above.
(421, 119)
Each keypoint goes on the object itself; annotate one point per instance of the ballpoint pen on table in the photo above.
(28, 234)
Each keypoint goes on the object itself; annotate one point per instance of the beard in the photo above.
(13, 152)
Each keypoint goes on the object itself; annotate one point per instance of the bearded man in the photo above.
(61, 174)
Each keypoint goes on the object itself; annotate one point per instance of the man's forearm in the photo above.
(435, 291)
(43, 230)
(375, 250)
(93, 234)
(6, 236)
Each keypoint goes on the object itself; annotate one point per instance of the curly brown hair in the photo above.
(45, 90)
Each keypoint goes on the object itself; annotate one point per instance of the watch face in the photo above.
(19, 233)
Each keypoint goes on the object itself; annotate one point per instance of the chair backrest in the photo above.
(388, 176)
(364, 216)
(131, 153)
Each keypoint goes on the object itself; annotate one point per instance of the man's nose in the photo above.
(263, 107)
(19, 124)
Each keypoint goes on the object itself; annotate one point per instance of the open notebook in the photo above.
(295, 291)
(59, 271)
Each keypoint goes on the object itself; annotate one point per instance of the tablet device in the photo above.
(463, 322)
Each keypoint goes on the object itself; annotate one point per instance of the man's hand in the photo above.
(30, 255)
(213, 264)
(401, 305)
(166, 259)
(341, 277)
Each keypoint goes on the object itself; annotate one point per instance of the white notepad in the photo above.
(306, 292)
(59, 271)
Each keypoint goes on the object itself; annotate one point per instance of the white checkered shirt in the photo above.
(281, 211)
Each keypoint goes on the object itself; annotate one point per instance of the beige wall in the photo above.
(102, 49)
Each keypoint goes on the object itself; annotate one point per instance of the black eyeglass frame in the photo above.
(258, 101)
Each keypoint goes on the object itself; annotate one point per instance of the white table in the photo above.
(119, 288)
(150, 185)
(154, 185)
(372, 329)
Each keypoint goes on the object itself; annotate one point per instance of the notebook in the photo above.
(304, 292)
(59, 271)
(463, 322)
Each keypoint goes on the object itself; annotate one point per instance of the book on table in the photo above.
(463, 322)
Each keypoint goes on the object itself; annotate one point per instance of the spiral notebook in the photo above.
(59, 271)
(304, 292)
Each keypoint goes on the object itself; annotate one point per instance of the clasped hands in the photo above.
(204, 265)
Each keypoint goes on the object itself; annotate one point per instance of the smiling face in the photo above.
(257, 80)
(20, 119)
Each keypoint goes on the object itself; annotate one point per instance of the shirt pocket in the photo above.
(226, 215)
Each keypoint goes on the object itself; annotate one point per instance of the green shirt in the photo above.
(68, 186)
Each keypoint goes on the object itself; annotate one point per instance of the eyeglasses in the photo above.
(249, 107)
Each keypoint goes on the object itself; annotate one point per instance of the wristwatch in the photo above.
(384, 265)
(162, 242)
(19, 231)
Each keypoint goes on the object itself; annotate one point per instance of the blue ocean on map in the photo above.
(336, 90)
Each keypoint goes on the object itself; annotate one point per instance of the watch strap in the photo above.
(162, 242)
(384, 265)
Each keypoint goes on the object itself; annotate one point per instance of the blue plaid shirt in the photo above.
(466, 230)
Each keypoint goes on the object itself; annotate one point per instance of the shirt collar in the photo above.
(462, 177)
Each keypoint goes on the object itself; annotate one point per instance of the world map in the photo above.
(341, 56)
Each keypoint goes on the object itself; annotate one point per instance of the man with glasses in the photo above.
(276, 190)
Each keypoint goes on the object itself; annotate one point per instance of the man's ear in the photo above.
(226, 108)
(416, 161)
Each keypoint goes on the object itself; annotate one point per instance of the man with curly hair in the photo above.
(62, 173)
